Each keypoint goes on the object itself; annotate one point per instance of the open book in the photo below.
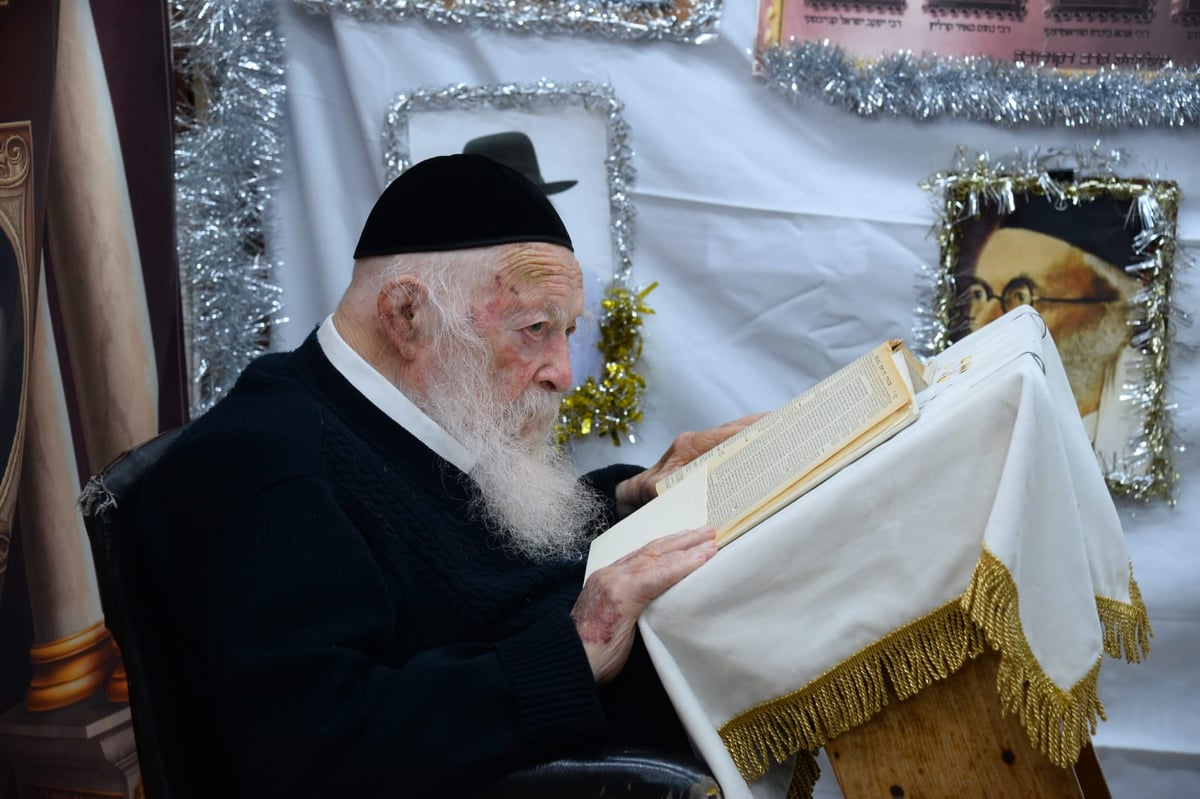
(770, 463)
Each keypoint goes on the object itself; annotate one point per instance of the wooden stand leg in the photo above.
(950, 742)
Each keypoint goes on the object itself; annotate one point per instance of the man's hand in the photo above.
(608, 607)
(639, 489)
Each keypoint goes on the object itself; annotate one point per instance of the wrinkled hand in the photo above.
(608, 607)
(639, 489)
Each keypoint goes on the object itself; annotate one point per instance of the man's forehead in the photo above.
(539, 267)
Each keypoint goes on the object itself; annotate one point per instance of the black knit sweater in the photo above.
(343, 625)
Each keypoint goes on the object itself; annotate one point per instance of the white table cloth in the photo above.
(986, 523)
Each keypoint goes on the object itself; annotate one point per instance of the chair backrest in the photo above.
(134, 616)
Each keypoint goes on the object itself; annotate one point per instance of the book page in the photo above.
(807, 432)
(831, 466)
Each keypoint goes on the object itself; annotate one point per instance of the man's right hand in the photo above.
(608, 607)
(634, 492)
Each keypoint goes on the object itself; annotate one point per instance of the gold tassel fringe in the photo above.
(805, 773)
(932, 648)
(1059, 722)
(1127, 630)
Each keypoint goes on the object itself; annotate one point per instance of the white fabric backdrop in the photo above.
(786, 240)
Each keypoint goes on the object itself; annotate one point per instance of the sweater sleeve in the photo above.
(311, 698)
(605, 481)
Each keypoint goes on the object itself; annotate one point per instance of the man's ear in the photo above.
(400, 306)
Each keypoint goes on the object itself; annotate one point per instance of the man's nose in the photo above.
(556, 375)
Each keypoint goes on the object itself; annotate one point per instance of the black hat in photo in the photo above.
(1098, 227)
(457, 202)
(513, 148)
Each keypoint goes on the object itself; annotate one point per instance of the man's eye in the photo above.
(537, 328)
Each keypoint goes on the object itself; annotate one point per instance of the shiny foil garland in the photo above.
(985, 89)
(1065, 178)
(687, 20)
(227, 162)
(610, 406)
(607, 405)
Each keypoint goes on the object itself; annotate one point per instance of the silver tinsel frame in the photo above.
(984, 89)
(227, 162)
(608, 406)
(679, 20)
(1067, 178)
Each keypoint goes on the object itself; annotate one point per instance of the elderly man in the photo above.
(374, 552)
(1067, 265)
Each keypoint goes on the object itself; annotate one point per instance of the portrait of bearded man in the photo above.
(1070, 266)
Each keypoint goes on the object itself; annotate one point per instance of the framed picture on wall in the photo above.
(573, 143)
(1094, 258)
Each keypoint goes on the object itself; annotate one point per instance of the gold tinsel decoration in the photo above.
(610, 407)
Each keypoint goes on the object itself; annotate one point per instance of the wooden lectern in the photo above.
(951, 742)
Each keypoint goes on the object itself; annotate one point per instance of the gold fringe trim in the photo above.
(805, 773)
(932, 648)
(1127, 630)
(909, 659)
(1059, 722)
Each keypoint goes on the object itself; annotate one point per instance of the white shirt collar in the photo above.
(389, 399)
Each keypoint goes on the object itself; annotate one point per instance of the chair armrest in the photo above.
(639, 773)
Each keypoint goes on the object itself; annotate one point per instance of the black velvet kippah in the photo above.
(1098, 227)
(456, 202)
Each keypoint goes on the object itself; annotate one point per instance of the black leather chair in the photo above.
(172, 765)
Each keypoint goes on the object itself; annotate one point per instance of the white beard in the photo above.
(525, 489)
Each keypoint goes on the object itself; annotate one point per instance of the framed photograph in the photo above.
(680, 20)
(1094, 257)
(573, 142)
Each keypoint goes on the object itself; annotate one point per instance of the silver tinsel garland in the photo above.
(985, 89)
(693, 21)
(227, 161)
